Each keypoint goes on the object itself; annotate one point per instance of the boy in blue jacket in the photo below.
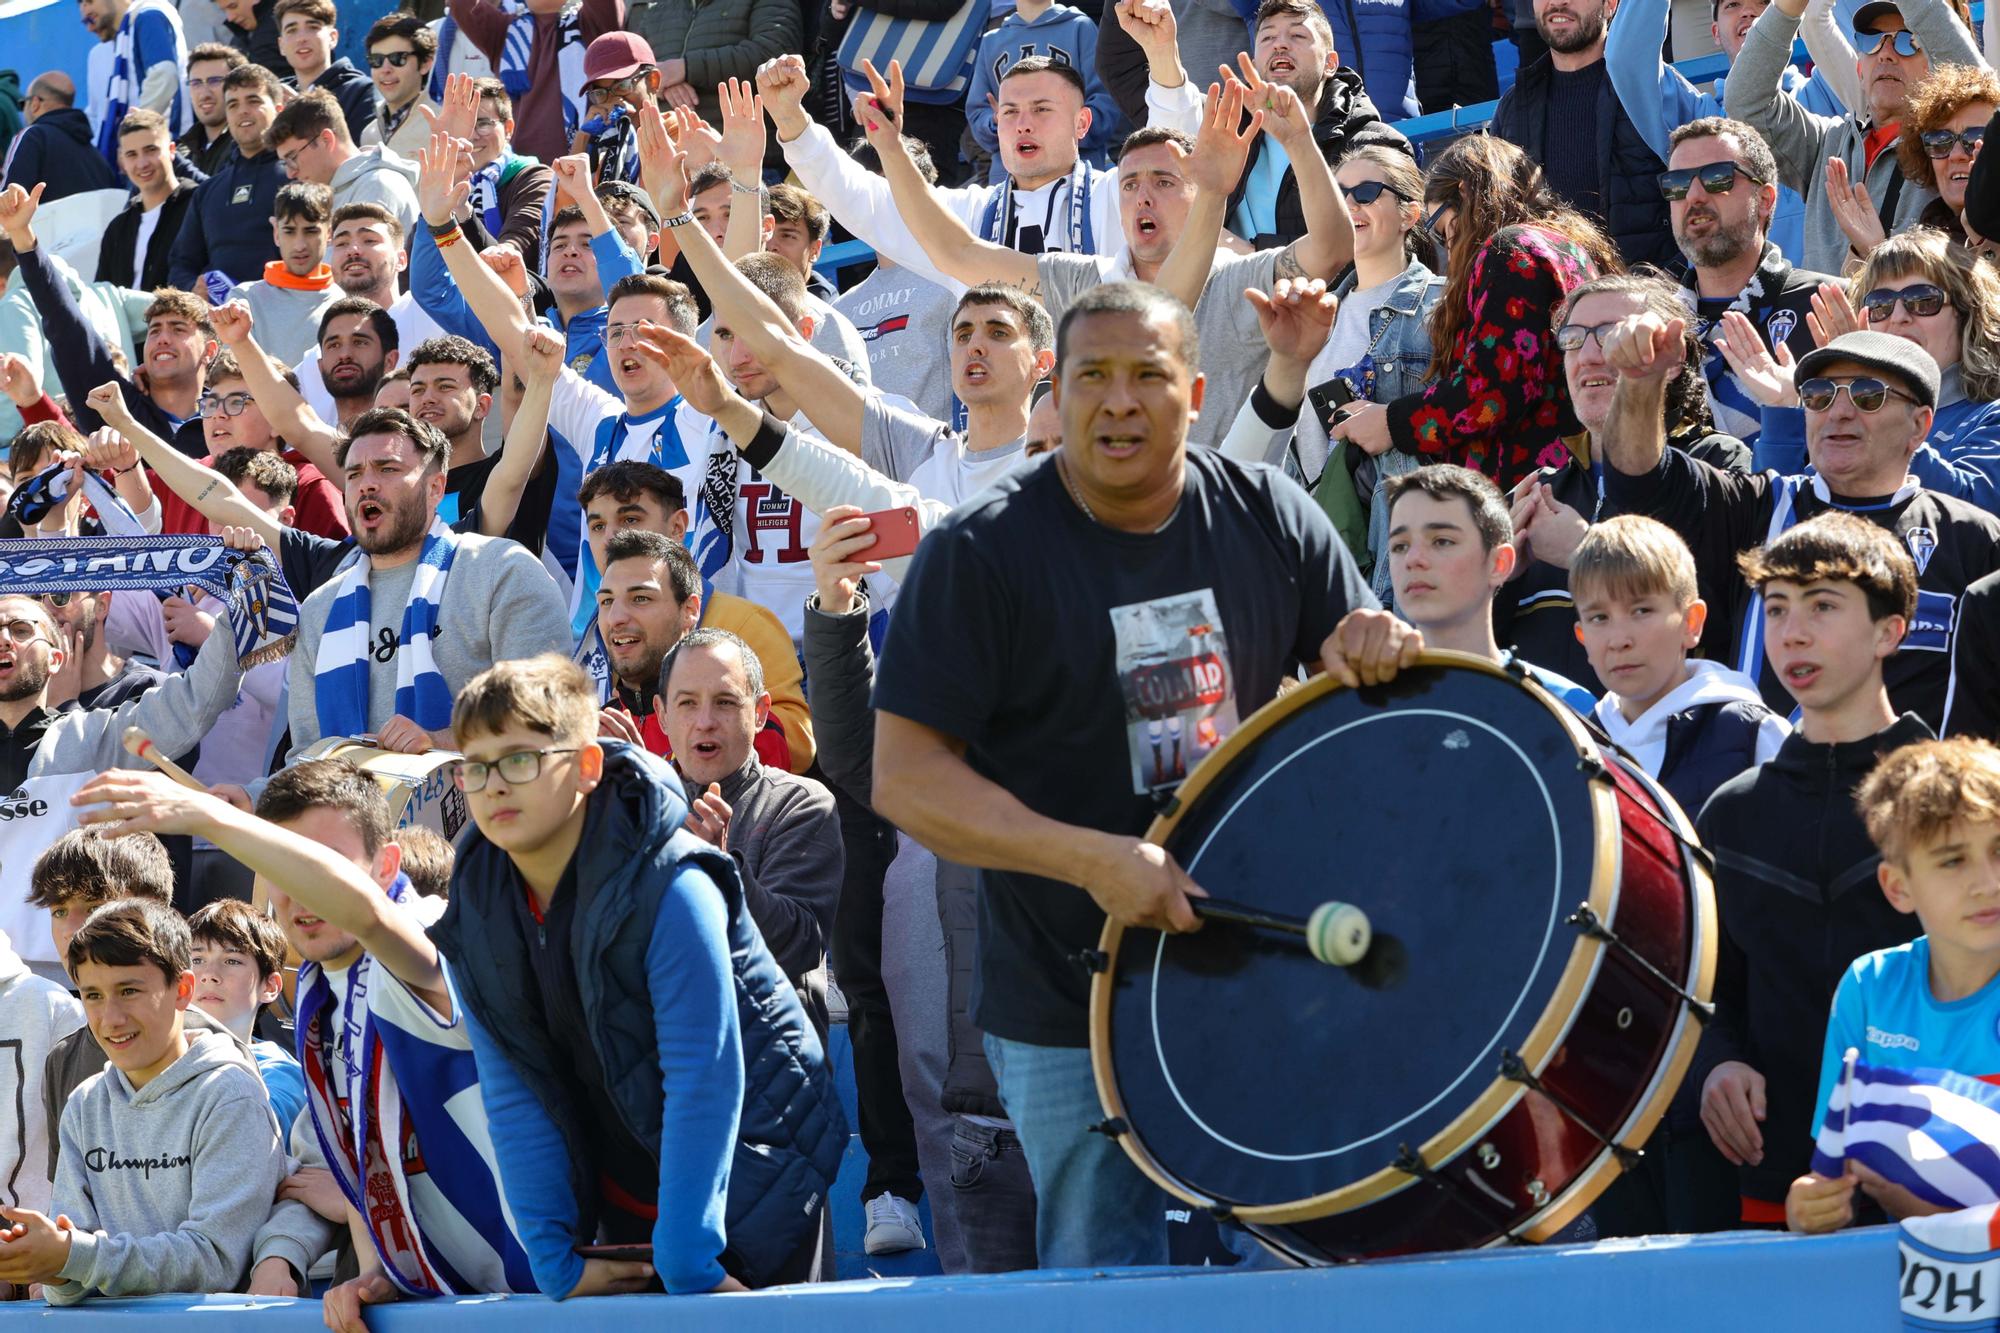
(1056, 33)
(648, 1072)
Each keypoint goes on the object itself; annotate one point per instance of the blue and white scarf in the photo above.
(997, 225)
(518, 51)
(48, 490)
(340, 673)
(263, 618)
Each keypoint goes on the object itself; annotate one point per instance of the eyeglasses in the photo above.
(486, 125)
(1939, 143)
(1905, 43)
(1715, 178)
(23, 631)
(516, 769)
(202, 85)
(600, 93)
(1920, 299)
(291, 159)
(1571, 337)
(230, 405)
(617, 335)
(1865, 391)
(1369, 191)
(396, 58)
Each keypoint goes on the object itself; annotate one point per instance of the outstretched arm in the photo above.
(328, 885)
(443, 184)
(211, 494)
(283, 406)
(1220, 151)
(540, 362)
(1642, 349)
(836, 403)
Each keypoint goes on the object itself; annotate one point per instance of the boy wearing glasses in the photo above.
(392, 1094)
(1869, 399)
(649, 1073)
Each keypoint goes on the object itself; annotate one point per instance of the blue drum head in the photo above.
(1450, 807)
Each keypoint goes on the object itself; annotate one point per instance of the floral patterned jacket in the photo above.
(1502, 406)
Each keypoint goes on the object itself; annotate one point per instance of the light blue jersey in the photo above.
(1884, 1009)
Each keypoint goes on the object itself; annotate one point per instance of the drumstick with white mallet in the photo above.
(140, 746)
(1336, 933)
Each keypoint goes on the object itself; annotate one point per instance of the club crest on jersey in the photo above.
(1923, 545)
(1780, 327)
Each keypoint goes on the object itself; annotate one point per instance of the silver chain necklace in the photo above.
(1062, 469)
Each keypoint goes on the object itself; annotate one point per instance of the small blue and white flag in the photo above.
(1934, 1132)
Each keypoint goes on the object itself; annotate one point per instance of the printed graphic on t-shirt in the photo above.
(771, 523)
(1180, 695)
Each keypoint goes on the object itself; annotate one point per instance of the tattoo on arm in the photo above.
(207, 491)
(1288, 265)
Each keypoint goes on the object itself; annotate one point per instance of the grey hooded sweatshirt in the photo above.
(378, 176)
(167, 1184)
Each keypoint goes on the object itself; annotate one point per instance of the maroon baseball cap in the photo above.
(616, 55)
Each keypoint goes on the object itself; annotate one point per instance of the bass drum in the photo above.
(420, 787)
(1543, 949)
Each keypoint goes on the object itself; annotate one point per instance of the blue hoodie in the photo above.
(228, 226)
(1064, 35)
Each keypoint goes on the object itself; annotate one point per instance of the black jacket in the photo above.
(116, 261)
(1795, 889)
(1707, 745)
(59, 151)
(1982, 192)
(1719, 514)
(1634, 213)
(355, 92)
(228, 226)
(840, 673)
(260, 44)
(1972, 698)
(204, 153)
(1346, 121)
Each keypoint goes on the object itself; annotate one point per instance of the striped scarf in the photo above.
(340, 672)
(517, 51)
(148, 35)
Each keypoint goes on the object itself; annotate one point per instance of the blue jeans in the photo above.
(1093, 1207)
(993, 1198)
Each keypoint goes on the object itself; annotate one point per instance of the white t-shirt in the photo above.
(149, 222)
(412, 327)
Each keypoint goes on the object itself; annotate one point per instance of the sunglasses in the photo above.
(1904, 42)
(1571, 337)
(57, 600)
(1920, 299)
(1865, 391)
(398, 59)
(1939, 143)
(1369, 191)
(1715, 178)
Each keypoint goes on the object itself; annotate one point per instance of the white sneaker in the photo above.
(893, 1226)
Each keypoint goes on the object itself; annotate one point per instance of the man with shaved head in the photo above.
(55, 148)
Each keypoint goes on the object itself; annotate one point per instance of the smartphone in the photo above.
(895, 533)
(635, 1254)
(1329, 398)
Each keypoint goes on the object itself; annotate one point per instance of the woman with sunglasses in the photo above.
(1377, 349)
(1495, 401)
(1942, 132)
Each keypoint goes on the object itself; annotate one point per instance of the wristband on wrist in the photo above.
(680, 219)
(121, 471)
(442, 229)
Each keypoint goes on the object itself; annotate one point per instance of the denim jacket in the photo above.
(1400, 346)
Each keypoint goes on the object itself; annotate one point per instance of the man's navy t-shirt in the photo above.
(1088, 670)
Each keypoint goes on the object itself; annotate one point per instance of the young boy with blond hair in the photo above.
(1933, 808)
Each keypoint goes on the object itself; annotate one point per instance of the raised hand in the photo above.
(241, 539)
(782, 83)
(1151, 26)
(1832, 314)
(742, 129)
(1852, 208)
(17, 214)
(662, 165)
(133, 800)
(505, 261)
(17, 380)
(459, 110)
(1768, 379)
(233, 323)
(442, 186)
(837, 558)
(186, 623)
(1221, 148)
(884, 98)
(694, 371)
(107, 451)
(1296, 317)
(572, 175)
(696, 137)
(1645, 347)
(541, 357)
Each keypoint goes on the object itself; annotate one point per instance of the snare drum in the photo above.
(420, 787)
(1544, 946)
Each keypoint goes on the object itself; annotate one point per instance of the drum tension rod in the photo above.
(1515, 1070)
(1595, 770)
(1411, 1164)
(1586, 920)
(1092, 961)
(1110, 1128)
